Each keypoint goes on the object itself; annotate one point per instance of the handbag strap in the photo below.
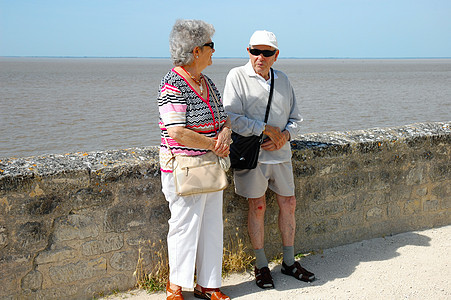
(215, 99)
(270, 96)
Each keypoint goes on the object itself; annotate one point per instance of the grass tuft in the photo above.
(155, 279)
(235, 260)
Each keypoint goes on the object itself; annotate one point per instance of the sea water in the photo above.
(61, 105)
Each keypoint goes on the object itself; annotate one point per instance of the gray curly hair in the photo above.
(185, 36)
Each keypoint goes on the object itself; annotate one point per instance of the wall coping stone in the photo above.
(54, 164)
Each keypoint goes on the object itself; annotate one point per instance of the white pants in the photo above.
(195, 237)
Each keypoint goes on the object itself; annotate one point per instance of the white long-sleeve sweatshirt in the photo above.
(245, 100)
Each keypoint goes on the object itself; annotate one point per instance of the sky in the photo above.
(304, 28)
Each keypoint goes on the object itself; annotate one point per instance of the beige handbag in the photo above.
(198, 174)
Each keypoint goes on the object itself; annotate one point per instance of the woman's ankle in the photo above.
(174, 287)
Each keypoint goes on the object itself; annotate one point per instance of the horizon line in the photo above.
(223, 57)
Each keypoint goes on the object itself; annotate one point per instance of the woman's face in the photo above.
(205, 54)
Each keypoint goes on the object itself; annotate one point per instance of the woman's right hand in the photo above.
(221, 149)
(222, 142)
(190, 138)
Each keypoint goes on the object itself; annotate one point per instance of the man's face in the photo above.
(260, 63)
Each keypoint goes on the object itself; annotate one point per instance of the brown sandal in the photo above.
(298, 272)
(210, 294)
(263, 278)
(174, 295)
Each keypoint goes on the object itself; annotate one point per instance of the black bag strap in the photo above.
(270, 96)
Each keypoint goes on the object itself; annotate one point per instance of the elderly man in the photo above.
(245, 99)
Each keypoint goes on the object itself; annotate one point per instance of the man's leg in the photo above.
(252, 184)
(256, 228)
(287, 220)
(287, 227)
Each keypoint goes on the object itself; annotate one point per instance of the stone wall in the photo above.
(71, 225)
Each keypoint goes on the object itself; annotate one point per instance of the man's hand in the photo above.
(276, 139)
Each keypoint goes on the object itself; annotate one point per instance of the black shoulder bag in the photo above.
(245, 149)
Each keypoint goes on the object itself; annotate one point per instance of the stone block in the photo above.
(412, 207)
(393, 210)
(56, 255)
(327, 208)
(65, 291)
(341, 185)
(351, 219)
(91, 197)
(3, 237)
(374, 213)
(122, 218)
(431, 205)
(108, 285)
(351, 204)
(75, 227)
(328, 169)
(399, 193)
(32, 281)
(159, 214)
(442, 190)
(81, 270)
(373, 198)
(415, 176)
(12, 269)
(313, 189)
(42, 205)
(303, 170)
(106, 244)
(232, 204)
(421, 191)
(139, 190)
(124, 261)
(138, 237)
(31, 236)
(322, 226)
(446, 203)
(441, 170)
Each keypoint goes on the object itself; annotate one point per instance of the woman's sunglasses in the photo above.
(211, 45)
(266, 53)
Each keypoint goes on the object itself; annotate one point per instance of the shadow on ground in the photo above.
(335, 263)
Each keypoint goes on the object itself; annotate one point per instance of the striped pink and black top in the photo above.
(180, 105)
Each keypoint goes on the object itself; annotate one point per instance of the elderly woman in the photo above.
(190, 125)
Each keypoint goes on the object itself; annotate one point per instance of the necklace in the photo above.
(198, 82)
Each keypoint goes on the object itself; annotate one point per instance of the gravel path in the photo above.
(412, 265)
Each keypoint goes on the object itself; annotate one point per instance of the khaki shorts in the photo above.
(254, 183)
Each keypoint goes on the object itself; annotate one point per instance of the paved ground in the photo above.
(412, 265)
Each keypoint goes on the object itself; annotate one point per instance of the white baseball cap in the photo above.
(263, 37)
